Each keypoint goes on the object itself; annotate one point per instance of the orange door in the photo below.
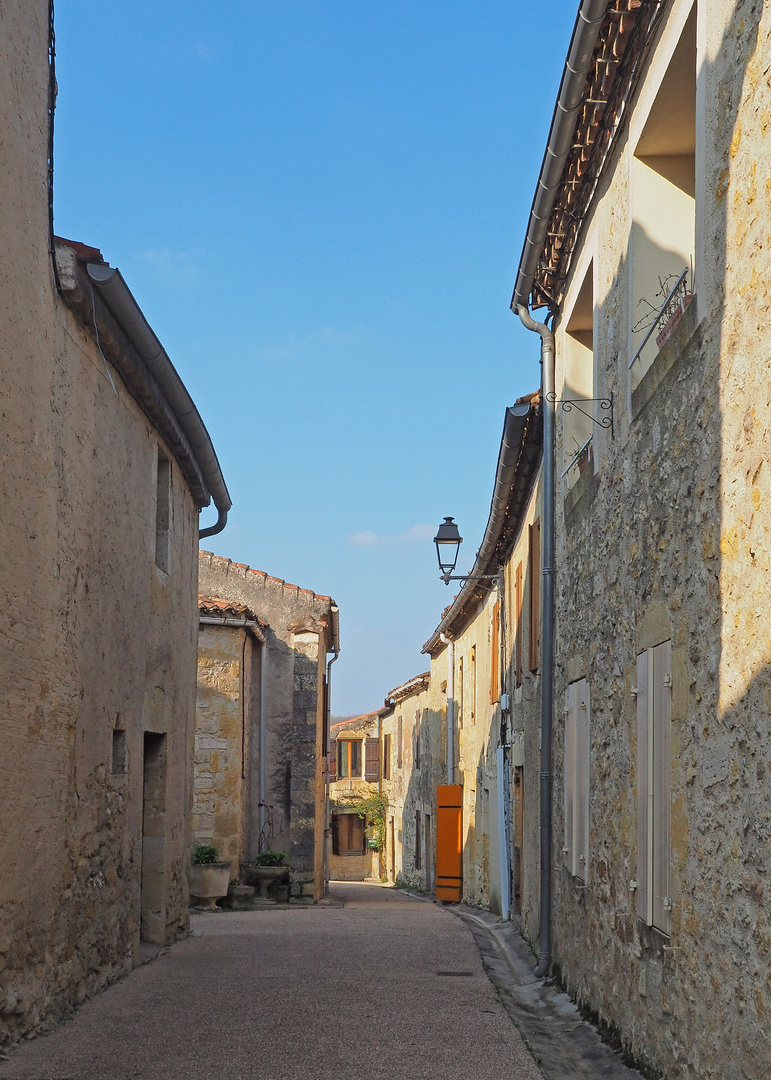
(449, 866)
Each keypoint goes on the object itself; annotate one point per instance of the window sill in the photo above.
(666, 358)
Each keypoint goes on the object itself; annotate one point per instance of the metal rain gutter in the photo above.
(588, 22)
(119, 299)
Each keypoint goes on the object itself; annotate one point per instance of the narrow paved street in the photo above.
(383, 986)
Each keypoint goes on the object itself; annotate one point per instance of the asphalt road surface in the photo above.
(386, 987)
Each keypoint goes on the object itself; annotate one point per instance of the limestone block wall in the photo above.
(226, 736)
(524, 725)
(98, 644)
(666, 539)
(297, 639)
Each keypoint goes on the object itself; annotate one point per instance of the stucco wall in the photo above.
(668, 540)
(96, 639)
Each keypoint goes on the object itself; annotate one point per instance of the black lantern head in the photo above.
(448, 541)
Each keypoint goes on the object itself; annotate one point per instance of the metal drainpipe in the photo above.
(450, 707)
(327, 816)
(547, 633)
(263, 735)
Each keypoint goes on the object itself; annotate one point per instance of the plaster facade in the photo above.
(97, 675)
(287, 689)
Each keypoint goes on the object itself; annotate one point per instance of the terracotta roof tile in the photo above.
(216, 608)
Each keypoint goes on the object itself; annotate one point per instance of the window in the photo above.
(494, 653)
(163, 513)
(386, 757)
(348, 758)
(418, 727)
(418, 841)
(654, 784)
(118, 752)
(518, 595)
(534, 569)
(399, 743)
(578, 381)
(663, 190)
(347, 835)
(576, 778)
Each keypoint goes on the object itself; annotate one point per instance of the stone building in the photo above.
(260, 772)
(354, 774)
(485, 651)
(106, 465)
(413, 762)
(649, 247)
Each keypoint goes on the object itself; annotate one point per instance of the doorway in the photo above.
(153, 907)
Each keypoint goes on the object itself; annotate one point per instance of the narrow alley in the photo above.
(380, 984)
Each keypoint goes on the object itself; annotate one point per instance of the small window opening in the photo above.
(664, 207)
(163, 513)
(118, 752)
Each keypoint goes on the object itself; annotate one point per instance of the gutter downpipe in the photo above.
(547, 639)
(587, 27)
(448, 641)
(263, 732)
(327, 733)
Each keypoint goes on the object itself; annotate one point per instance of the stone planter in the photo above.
(262, 877)
(208, 883)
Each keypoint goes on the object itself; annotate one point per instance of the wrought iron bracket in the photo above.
(606, 405)
(447, 578)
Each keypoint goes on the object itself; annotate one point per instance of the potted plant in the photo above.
(208, 879)
(265, 868)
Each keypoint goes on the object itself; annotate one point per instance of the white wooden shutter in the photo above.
(642, 786)
(569, 772)
(662, 783)
(581, 800)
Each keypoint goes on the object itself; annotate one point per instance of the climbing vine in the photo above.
(372, 807)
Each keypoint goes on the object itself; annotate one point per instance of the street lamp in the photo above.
(448, 541)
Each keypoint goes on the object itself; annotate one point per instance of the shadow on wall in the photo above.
(419, 852)
(673, 545)
(227, 793)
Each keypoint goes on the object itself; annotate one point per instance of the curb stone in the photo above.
(562, 1043)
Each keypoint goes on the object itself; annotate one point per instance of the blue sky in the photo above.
(320, 206)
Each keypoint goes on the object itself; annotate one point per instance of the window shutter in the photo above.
(371, 759)
(494, 654)
(662, 784)
(386, 757)
(569, 770)
(518, 629)
(535, 595)
(581, 823)
(399, 743)
(333, 761)
(335, 835)
(642, 787)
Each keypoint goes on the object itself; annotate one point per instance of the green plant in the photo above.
(269, 858)
(372, 807)
(204, 854)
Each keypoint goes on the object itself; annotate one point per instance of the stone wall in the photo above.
(297, 640)
(225, 735)
(666, 539)
(98, 643)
